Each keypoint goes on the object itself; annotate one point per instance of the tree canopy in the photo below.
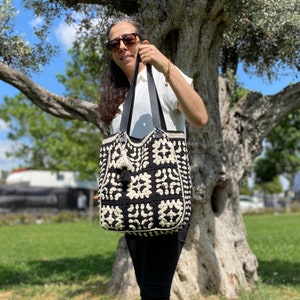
(198, 36)
(257, 37)
(15, 50)
(264, 35)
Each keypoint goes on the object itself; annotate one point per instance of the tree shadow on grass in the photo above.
(64, 270)
(278, 272)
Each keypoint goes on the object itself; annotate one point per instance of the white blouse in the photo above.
(141, 123)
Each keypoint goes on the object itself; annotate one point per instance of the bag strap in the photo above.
(128, 104)
(156, 109)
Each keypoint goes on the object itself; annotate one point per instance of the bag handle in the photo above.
(156, 109)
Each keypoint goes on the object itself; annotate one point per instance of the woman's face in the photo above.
(125, 55)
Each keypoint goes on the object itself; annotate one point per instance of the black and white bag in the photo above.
(144, 185)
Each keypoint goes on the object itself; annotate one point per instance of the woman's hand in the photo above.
(149, 54)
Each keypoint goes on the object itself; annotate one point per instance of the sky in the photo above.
(63, 36)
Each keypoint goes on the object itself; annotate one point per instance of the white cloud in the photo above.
(36, 22)
(7, 146)
(66, 34)
(8, 164)
(3, 126)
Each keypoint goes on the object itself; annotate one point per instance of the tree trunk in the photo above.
(216, 258)
(288, 194)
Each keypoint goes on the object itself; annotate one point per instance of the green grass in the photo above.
(73, 260)
(275, 240)
(34, 257)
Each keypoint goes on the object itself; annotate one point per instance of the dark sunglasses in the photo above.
(128, 39)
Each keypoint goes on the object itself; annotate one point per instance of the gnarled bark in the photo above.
(216, 258)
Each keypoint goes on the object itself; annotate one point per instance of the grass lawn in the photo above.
(55, 261)
(275, 240)
(74, 260)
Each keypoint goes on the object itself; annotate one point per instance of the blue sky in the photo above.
(62, 35)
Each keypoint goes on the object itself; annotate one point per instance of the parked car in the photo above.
(250, 204)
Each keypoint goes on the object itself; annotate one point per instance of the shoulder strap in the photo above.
(128, 104)
(156, 110)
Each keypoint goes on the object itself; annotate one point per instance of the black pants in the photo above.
(155, 260)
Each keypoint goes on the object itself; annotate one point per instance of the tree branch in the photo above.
(62, 107)
(267, 111)
(128, 7)
(250, 121)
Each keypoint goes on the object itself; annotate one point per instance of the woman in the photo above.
(154, 258)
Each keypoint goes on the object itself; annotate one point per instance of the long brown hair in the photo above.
(116, 84)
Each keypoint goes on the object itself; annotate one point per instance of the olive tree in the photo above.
(201, 36)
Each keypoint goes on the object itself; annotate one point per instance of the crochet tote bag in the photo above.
(144, 185)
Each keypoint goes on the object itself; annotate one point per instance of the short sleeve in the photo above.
(164, 89)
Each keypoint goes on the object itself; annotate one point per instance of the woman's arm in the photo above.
(190, 103)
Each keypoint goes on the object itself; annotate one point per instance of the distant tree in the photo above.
(244, 188)
(266, 177)
(265, 170)
(282, 153)
(284, 149)
(49, 143)
(284, 145)
(46, 142)
(273, 187)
